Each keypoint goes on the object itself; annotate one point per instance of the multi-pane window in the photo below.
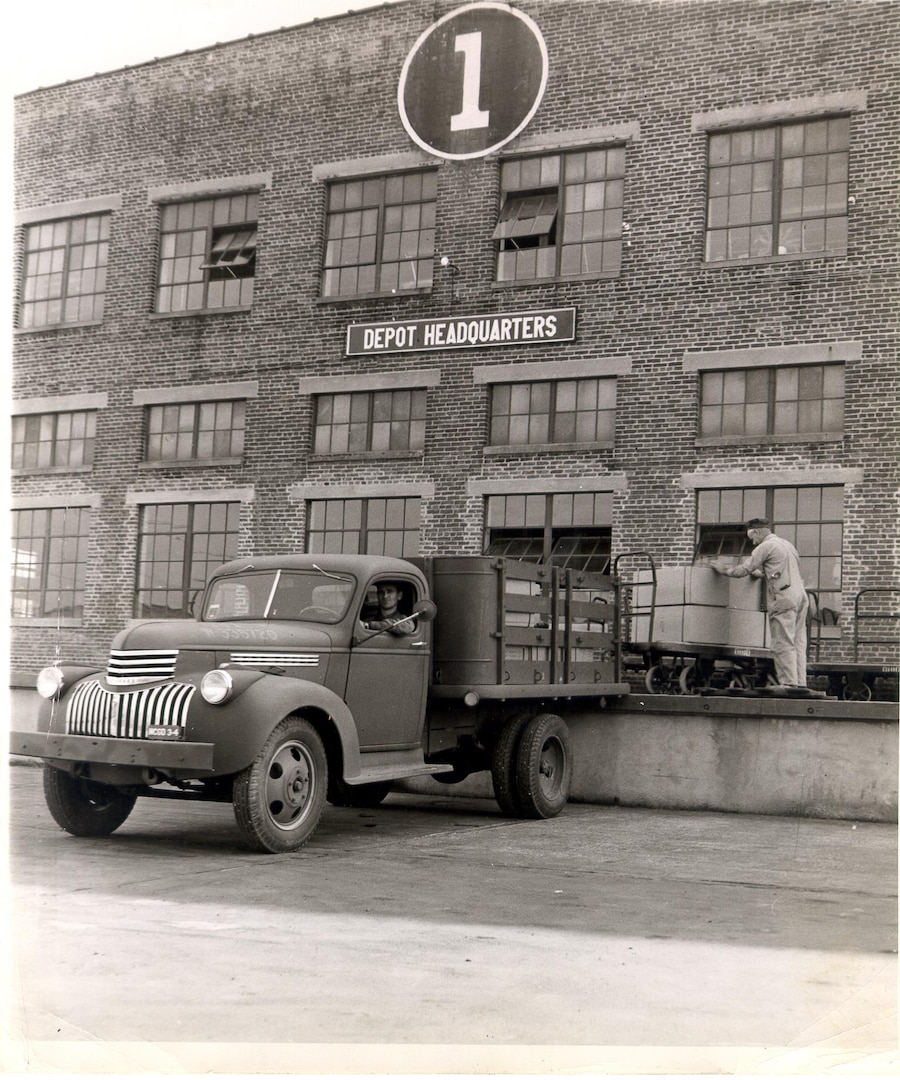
(49, 556)
(207, 253)
(569, 529)
(370, 422)
(562, 411)
(64, 276)
(810, 517)
(380, 234)
(53, 440)
(793, 400)
(179, 545)
(561, 215)
(195, 431)
(779, 190)
(364, 526)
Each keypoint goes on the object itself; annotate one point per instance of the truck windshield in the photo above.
(304, 596)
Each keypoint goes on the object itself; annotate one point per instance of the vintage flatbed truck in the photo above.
(278, 695)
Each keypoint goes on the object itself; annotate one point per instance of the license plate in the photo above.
(164, 731)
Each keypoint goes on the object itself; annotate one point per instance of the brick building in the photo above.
(561, 281)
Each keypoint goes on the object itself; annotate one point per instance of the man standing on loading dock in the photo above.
(777, 561)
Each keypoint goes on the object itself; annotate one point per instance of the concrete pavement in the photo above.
(434, 935)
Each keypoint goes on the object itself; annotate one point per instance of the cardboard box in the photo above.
(701, 624)
(696, 585)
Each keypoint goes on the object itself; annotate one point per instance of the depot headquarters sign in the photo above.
(466, 332)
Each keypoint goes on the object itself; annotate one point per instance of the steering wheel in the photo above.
(308, 612)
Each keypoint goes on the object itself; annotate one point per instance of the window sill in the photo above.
(546, 448)
(371, 455)
(56, 327)
(52, 470)
(567, 280)
(157, 316)
(44, 621)
(772, 260)
(356, 297)
(769, 440)
(191, 463)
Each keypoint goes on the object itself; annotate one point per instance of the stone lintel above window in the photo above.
(371, 166)
(58, 403)
(101, 204)
(828, 352)
(300, 492)
(539, 485)
(228, 185)
(574, 139)
(551, 369)
(91, 500)
(768, 478)
(175, 495)
(348, 384)
(775, 112)
(170, 395)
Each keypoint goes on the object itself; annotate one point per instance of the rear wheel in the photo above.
(503, 766)
(85, 807)
(278, 800)
(543, 767)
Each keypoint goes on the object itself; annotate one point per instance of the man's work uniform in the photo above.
(788, 603)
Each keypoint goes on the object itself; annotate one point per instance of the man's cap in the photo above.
(758, 523)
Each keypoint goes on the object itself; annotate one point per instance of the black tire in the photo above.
(503, 766)
(359, 795)
(279, 799)
(85, 807)
(544, 767)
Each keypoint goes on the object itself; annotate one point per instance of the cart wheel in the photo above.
(656, 680)
(688, 679)
(857, 690)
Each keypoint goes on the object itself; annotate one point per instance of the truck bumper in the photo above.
(193, 757)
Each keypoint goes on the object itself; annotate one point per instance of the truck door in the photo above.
(387, 683)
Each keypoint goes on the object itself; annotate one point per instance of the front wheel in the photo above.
(544, 767)
(85, 807)
(279, 799)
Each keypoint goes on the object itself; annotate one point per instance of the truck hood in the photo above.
(260, 635)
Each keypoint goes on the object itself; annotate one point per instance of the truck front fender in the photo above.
(249, 720)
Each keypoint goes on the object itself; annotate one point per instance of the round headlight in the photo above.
(216, 687)
(50, 682)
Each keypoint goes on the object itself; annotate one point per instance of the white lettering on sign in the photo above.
(470, 116)
(549, 325)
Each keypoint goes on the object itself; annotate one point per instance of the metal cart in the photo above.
(876, 631)
(682, 667)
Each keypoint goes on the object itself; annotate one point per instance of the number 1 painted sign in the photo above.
(470, 116)
(473, 80)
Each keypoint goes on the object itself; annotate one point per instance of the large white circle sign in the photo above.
(473, 80)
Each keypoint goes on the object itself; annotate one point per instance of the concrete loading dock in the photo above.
(824, 759)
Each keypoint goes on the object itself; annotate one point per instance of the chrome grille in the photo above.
(130, 666)
(279, 659)
(94, 711)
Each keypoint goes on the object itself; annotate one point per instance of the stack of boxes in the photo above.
(695, 605)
